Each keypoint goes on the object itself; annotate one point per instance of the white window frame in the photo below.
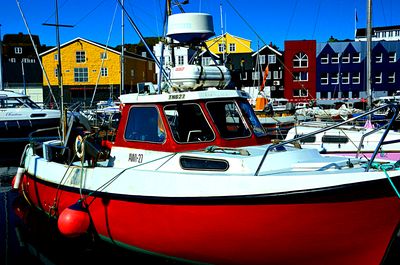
(300, 60)
(221, 47)
(392, 78)
(301, 91)
(81, 75)
(255, 75)
(346, 58)
(232, 47)
(325, 58)
(56, 57)
(335, 78)
(244, 76)
(276, 75)
(271, 58)
(325, 79)
(205, 61)
(378, 78)
(269, 75)
(261, 59)
(345, 78)
(103, 56)
(80, 56)
(379, 58)
(18, 50)
(392, 57)
(104, 71)
(300, 75)
(335, 58)
(355, 79)
(356, 57)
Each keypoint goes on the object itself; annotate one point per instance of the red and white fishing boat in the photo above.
(192, 175)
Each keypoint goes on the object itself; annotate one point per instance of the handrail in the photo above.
(394, 106)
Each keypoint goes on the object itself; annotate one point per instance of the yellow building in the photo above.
(228, 44)
(87, 65)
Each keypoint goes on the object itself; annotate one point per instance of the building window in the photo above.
(271, 58)
(181, 60)
(356, 78)
(18, 50)
(346, 58)
(269, 76)
(243, 76)
(300, 60)
(103, 55)
(255, 75)
(392, 77)
(104, 71)
(205, 60)
(324, 78)
(56, 57)
(56, 72)
(356, 57)
(335, 78)
(325, 58)
(80, 56)
(81, 74)
(221, 47)
(132, 72)
(335, 58)
(392, 57)
(277, 74)
(300, 92)
(345, 78)
(378, 58)
(261, 59)
(300, 76)
(378, 78)
(232, 47)
(150, 65)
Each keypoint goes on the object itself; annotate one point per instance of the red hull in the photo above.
(331, 232)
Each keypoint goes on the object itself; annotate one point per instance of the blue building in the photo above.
(341, 69)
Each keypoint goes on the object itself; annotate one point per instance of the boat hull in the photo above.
(350, 224)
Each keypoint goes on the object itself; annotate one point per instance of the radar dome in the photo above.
(190, 27)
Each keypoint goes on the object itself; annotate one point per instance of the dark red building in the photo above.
(300, 71)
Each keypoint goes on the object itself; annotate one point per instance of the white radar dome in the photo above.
(190, 27)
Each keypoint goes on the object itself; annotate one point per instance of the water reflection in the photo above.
(30, 237)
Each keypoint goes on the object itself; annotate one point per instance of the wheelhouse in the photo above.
(189, 121)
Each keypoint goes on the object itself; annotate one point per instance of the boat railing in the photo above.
(393, 106)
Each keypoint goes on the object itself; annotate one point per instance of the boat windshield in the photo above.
(255, 124)
(22, 102)
(227, 118)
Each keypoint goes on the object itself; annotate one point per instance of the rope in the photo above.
(384, 168)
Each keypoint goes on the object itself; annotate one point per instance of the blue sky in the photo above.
(274, 21)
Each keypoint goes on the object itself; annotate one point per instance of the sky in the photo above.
(261, 21)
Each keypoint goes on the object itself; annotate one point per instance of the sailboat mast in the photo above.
(60, 83)
(369, 42)
(122, 51)
(1, 61)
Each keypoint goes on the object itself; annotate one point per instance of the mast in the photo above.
(60, 84)
(122, 51)
(222, 35)
(369, 42)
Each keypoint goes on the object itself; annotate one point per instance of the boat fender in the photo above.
(79, 146)
(17, 178)
(74, 220)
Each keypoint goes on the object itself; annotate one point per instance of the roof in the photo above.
(182, 96)
(220, 36)
(128, 54)
(270, 48)
(20, 38)
(363, 31)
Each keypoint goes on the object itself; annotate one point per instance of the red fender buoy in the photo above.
(74, 220)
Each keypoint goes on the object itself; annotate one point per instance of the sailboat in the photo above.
(192, 175)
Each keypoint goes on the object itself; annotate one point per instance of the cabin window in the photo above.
(335, 139)
(228, 120)
(188, 123)
(144, 125)
(249, 114)
(198, 163)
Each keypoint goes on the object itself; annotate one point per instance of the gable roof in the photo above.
(128, 54)
(220, 36)
(270, 48)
